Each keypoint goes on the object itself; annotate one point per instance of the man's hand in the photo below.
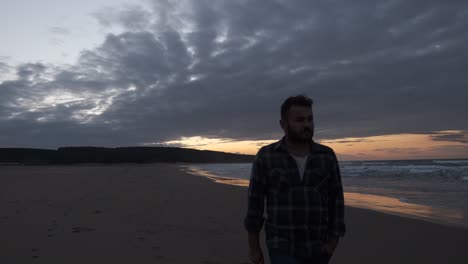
(256, 255)
(330, 246)
(255, 251)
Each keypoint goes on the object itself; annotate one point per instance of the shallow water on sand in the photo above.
(432, 190)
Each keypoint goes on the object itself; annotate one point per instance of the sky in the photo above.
(388, 78)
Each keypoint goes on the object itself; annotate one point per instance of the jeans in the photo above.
(282, 256)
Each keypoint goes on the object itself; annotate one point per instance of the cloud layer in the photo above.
(222, 69)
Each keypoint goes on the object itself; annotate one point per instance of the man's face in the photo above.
(299, 126)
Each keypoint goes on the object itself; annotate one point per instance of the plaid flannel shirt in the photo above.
(301, 214)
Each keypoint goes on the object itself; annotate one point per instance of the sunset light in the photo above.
(400, 146)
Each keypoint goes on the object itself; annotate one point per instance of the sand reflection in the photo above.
(223, 180)
(395, 206)
(369, 201)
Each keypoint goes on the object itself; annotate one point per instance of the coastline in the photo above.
(156, 213)
(378, 203)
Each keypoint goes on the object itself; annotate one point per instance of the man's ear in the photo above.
(283, 124)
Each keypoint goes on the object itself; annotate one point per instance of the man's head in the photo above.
(297, 119)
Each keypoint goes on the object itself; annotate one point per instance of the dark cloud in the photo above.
(3, 66)
(453, 136)
(4, 69)
(30, 70)
(223, 68)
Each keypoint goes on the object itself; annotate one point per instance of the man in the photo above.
(301, 182)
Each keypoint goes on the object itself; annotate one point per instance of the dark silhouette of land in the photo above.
(74, 155)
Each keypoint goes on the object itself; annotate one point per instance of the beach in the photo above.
(156, 213)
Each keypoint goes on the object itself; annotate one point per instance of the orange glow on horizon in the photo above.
(386, 147)
(400, 146)
(249, 147)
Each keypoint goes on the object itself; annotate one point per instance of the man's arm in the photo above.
(337, 225)
(255, 251)
(254, 219)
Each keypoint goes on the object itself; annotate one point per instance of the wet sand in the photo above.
(158, 214)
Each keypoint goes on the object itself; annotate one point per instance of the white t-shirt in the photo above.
(301, 162)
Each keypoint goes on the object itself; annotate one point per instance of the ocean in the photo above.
(431, 190)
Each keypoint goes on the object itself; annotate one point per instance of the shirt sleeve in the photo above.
(254, 219)
(337, 226)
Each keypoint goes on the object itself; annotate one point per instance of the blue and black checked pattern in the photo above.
(302, 214)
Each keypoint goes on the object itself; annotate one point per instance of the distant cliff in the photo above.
(73, 155)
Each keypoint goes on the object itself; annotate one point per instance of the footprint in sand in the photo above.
(34, 250)
(78, 229)
(52, 228)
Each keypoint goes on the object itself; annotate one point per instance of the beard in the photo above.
(300, 137)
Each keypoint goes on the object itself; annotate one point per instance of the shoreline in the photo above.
(371, 202)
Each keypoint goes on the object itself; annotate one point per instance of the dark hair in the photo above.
(300, 100)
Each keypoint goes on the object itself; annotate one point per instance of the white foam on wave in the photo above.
(450, 161)
(422, 170)
(375, 163)
(409, 170)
